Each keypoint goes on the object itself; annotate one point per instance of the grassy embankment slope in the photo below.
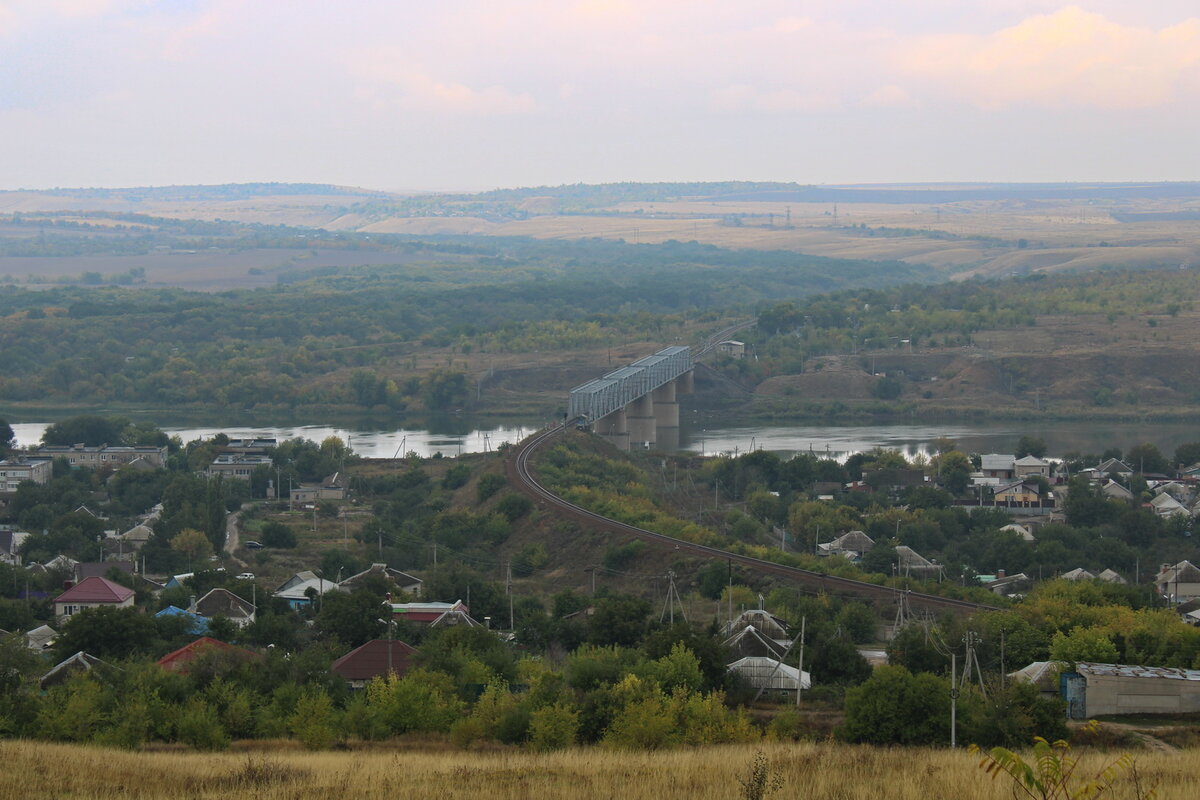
(806, 770)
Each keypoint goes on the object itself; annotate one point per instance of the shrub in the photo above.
(514, 506)
(489, 484)
(553, 727)
(200, 727)
(276, 534)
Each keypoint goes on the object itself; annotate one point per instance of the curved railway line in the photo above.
(521, 475)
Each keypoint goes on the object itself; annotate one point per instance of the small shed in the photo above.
(732, 348)
(1094, 690)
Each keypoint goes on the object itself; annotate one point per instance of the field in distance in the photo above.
(959, 229)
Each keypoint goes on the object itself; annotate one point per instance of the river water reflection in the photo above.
(836, 441)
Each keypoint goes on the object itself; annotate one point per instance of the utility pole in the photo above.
(508, 589)
(953, 699)
(800, 677)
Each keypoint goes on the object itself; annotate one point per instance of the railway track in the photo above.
(520, 473)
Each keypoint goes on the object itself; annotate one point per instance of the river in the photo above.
(837, 441)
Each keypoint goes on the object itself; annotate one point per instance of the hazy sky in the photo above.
(448, 94)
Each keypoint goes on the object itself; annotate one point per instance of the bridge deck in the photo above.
(602, 396)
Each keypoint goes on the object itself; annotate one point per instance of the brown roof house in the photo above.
(94, 592)
(375, 659)
(224, 603)
(181, 660)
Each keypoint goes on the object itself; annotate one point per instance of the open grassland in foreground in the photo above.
(806, 770)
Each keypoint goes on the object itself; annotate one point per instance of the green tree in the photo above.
(107, 632)
(277, 534)
(1031, 446)
(954, 471)
(193, 545)
(894, 706)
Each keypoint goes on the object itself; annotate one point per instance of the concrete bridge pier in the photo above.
(614, 428)
(641, 421)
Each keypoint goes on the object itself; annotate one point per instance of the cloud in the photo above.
(890, 96)
(1070, 58)
(390, 81)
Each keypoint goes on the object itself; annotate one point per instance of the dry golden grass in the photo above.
(810, 771)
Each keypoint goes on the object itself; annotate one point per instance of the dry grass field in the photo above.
(810, 771)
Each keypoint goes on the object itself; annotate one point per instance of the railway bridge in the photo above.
(636, 405)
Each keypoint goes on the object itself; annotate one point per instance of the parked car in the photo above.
(253, 545)
(246, 576)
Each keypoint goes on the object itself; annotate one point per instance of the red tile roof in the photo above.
(371, 660)
(95, 590)
(178, 660)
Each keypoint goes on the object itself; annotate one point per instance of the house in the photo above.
(94, 592)
(68, 668)
(852, 545)
(377, 658)
(997, 467)
(10, 546)
(196, 624)
(1111, 489)
(1178, 583)
(41, 638)
(1032, 465)
(181, 660)
(1093, 690)
(1021, 531)
(60, 563)
(1110, 576)
(136, 537)
(78, 455)
(300, 589)
(100, 569)
(1114, 466)
(1189, 612)
(1164, 505)
(332, 488)
(770, 674)
(911, 563)
(1077, 574)
(15, 471)
(256, 446)
(224, 603)
(1022, 493)
(394, 577)
(732, 348)
(1009, 585)
(435, 615)
(238, 465)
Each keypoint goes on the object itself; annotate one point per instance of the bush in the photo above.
(276, 534)
(200, 727)
(490, 484)
(514, 506)
(553, 727)
(894, 706)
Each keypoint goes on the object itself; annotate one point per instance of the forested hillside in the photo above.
(416, 333)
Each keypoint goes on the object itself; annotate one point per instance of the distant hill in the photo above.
(223, 191)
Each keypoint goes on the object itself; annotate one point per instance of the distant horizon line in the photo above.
(351, 188)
